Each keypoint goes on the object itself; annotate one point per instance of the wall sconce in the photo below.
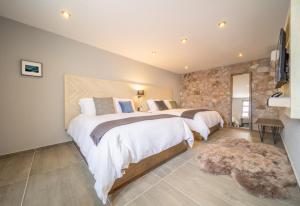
(140, 93)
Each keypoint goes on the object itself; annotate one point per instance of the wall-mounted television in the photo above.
(281, 64)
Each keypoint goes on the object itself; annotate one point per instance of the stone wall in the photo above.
(212, 89)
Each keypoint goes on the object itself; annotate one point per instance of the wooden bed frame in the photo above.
(137, 170)
(212, 130)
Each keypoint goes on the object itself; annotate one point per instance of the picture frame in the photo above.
(30, 68)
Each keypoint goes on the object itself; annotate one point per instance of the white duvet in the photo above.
(124, 144)
(201, 122)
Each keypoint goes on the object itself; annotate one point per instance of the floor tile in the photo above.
(295, 196)
(190, 151)
(169, 166)
(59, 176)
(207, 189)
(54, 157)
(187, 155)
(15, 168)
(187, 179)
(130, 191)
(162, 194)
(71, 185)
(11, 195)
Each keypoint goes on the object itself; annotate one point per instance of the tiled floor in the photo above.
(58, 175)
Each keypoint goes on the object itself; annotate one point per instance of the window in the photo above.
(245, 111)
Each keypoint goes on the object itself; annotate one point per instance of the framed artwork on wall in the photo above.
(29, 68)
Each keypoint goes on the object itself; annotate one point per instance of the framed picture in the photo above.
(29, 68)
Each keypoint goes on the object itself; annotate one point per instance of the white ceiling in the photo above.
(135, 28)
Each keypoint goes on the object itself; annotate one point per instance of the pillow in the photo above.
(167, 103)
(117, 106)
(151, 105)
(161, 105)
(87, 106)
(126, 107)
(173, 104)
(104, 105)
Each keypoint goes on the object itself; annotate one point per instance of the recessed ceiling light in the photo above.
(186, 67)
(154, 53)
(240, 55)
(183, 40)
(222, 24)
(65, 14)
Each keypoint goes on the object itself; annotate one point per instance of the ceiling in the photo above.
(136, 28)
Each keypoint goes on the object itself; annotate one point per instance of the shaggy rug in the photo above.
(263, 170)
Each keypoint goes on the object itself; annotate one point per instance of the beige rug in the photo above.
(263, 170)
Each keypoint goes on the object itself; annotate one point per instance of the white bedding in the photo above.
(201, 122)
(125, 144)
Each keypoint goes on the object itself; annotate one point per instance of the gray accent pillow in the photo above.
(104, 105)
(161, 105)
(173, 104)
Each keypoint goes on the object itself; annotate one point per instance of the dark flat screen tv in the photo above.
(281, 65)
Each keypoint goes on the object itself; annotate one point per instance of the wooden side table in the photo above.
(275, 124)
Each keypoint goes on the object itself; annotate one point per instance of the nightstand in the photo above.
(276, 126)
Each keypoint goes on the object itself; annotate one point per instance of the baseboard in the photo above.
(4, 156)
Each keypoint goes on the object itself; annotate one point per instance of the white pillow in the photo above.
(151, 105)
(167, 103)
(87, 106)
(118, 108)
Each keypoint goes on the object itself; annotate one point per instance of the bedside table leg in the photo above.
(275, 132)
(261, 131)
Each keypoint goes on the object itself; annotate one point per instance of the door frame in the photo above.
(250, 98)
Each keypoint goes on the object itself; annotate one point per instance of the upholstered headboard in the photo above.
(77, 87)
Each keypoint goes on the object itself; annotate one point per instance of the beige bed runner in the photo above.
(190, 114)
(104, 127)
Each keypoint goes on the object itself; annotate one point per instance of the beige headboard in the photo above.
(77, 87)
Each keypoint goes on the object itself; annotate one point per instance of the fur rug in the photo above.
(263, 170)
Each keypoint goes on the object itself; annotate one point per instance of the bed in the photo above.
(124, 144)
(124, 152)
(204, 122)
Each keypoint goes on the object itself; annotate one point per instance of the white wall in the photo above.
(32, 109)
(291, 140)
(294, 59)
(291, 132)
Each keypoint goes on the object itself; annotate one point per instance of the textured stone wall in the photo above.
(212, 89)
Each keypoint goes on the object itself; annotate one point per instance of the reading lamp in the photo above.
(140, 93)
